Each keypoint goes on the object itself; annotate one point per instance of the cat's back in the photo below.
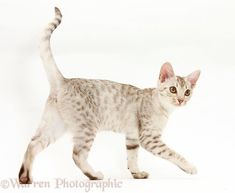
(95, 88)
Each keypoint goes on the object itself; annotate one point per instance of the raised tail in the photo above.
(53, 74)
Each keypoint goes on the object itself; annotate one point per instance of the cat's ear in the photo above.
(193, 77)
(166, 72)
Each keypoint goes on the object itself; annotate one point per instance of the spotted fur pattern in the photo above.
(85, 107)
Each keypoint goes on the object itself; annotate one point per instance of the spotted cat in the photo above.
(84, 107)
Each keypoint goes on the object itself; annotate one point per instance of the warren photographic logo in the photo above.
(61, 183)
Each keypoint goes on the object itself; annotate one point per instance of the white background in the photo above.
(124, 41)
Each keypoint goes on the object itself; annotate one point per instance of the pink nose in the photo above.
(180, 101)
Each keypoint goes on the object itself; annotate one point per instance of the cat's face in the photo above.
(175, 91)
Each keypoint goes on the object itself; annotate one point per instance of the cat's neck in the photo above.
(160, 100)
(153, 100)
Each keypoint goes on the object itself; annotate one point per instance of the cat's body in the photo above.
(84, 107)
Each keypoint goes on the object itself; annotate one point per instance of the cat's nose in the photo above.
(180, 101)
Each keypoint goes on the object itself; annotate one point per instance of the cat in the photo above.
(83, 107)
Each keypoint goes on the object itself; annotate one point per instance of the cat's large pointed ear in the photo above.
(193, 77)
(166, 72)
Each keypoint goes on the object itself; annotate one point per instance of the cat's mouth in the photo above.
(179, 104)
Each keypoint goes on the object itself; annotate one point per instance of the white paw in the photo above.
(99, 175)
(189, 169)
(95, 175)
(140, 175)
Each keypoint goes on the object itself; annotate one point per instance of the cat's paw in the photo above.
(24, 177)
(25, 180)
(99, 176)
(189, 169)
(140, 175)
(95, 176)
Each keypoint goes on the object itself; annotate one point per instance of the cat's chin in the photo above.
(179, 105)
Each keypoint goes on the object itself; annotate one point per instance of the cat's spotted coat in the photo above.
(84, 107)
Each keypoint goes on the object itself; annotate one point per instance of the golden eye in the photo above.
(187, 92)
(173, 89)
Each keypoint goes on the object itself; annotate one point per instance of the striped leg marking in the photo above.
(132, 146)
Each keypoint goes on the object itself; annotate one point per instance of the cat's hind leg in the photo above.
(82, 144)
(50, 128)
(132, 146)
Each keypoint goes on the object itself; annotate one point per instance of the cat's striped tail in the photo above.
(53, 74)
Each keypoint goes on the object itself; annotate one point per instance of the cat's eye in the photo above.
(173, 89)
(187, 92)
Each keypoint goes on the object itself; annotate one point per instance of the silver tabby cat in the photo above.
(84, 107)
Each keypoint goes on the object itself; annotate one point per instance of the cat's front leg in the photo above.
(132, 147)
(153, 143)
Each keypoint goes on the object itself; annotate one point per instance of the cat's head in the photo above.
(175, 91)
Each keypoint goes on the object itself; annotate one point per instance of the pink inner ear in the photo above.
(193, 77)
(166, 72)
